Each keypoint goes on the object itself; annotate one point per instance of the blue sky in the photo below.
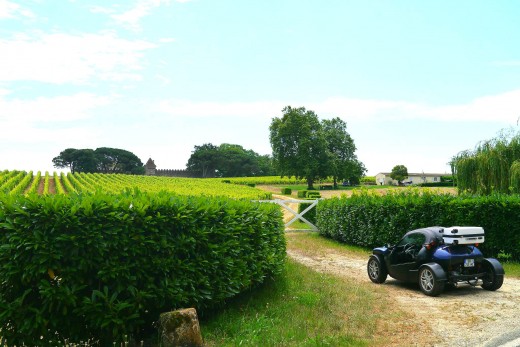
(417, 82)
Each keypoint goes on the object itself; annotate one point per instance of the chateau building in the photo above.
(151, 170)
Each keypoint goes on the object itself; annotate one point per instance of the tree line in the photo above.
(228, 160)
(302, 146)
(102, 160)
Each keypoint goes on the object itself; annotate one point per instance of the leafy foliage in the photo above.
(371, 220)
(343, 163)
(117, 183)
(399, 173)
(99, 266)
(306, 148)
(228, 160)
(492, 167)
(105, 160)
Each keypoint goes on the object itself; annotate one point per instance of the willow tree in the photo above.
(491, 167)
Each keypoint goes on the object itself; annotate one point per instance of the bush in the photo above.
(100, 266)
(313, 194)
(226, 181)
(251, 185)
(368, 180)
(436, 184)
(370, 220)
(286, 191)
(309, 215)
(302, 193)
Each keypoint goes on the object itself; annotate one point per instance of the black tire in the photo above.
(491, 280)
(376, 271)
(429, 283)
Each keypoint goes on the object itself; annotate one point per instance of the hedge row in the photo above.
(437, 184)
(370, 221)
(100, 267)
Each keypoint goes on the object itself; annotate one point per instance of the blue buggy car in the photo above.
(435, 257)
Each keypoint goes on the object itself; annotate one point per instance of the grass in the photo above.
(298, 308)
(511, 269)
(340, 187)
(302, 307)
(313, 244)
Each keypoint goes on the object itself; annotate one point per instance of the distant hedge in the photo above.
(371, 220)
(99, 266)
(286, 191)
(437, 184)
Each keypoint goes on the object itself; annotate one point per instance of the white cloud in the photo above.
(495, 108)
(56, 109)
(167, 40)
(183, 108)
(503, 107)
(132, 17)
(65, 58)
(9, 9)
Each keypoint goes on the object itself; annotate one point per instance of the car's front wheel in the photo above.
(429, 283)
(376, 271)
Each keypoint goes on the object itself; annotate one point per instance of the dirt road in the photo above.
(465, 316)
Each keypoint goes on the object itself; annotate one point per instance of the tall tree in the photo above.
(104, 160)
(228, 160)
(355, 169)
(299, 145)
(341, 150)
(114, 160)
(66, 159)
(399, 173)
(203, 160)
(77, 160)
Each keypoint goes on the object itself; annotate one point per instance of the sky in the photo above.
(416, 81)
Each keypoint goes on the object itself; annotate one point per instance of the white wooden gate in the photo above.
(284, 204)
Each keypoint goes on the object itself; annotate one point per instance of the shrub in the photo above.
(313, 194)
(98, 266)
(368, 180)
(309, 215)
(286, 191)
(370, 220)
(226, 181)
(436, 184)
(302, 193)
(251, 185)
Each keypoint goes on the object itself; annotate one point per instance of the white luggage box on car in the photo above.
(463, 235)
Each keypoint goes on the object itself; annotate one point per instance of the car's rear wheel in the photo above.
(491, 281)
(376, 271)
(429, 283)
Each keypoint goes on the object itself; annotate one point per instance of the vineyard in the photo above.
(21, 182)
(101, 256)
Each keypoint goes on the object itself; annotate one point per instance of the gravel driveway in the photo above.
(465, 316)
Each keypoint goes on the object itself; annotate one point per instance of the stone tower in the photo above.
(150, 168)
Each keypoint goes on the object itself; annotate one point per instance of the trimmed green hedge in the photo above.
(286, 191)
(302, 193)
(100, 266)
(370, 221)
(437, 184)
(312, 194)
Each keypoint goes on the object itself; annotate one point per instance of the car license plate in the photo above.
(469, 262)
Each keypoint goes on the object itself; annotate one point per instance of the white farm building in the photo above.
(383, 178)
